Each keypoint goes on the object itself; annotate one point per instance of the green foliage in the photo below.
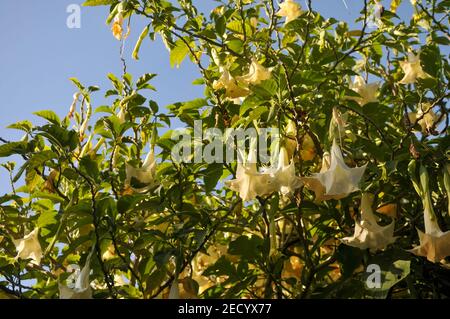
(182, 221)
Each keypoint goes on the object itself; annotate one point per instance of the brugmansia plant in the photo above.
(354, 204)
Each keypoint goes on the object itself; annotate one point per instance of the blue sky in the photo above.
(40, 53)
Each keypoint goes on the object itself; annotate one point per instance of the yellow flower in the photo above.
(256, 74)
(117, 29)
(144, 175)
(233, 88)
(368, 234)
(29, 247)
(289, 9)
(368, 91)
(412, 69)
(336, 180)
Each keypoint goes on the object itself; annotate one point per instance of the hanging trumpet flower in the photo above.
(434, 244)
(250, 183)
(368, 92)
(29, 247)
(284, 174)
(82, 288)
(368, 234)
(412, 69)
(336, 180)
(234, 89)
(143, 176)
(256, 74)
(289, 9)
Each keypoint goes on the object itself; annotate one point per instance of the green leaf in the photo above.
(178, 53)
(144, 79)
(40, 158)
(12, 148)
(212, 175)
(247, 248)
(93, 3)
(22, 125)
(49, 116)
(89, 167)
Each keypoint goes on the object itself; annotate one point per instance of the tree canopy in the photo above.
(357, 187)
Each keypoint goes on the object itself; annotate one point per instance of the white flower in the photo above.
(427, 118)
(412, 69)
(29, 247)
(336, 180)
(234, 89)
(256, 74)
(368, 234)
(144, 175)
(289, 9)
(368, 91)
(250, 183)
(82, 288)
(434, 243)
(284, 174)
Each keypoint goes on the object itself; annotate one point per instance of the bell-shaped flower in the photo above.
(367, 91)
(142, 179)
(82, 288)
(368, 233)
(29, 247)
(234, 89)
(425, 117)
(336, 180)
(434, 243)
(289, 9)
(412, 69)
(256, 74)
(250, 183)
(284, 174)
(117, 28)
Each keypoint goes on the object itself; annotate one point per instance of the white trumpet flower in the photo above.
(434, 243)
(256, 74)
(368, 91)
(412, 69)
(336, 180)
(29, 247)
(234, 89)
(368, 234)
(144, 175)
(82, 288)
(284, 174)
(289, 9)
(250, 183)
